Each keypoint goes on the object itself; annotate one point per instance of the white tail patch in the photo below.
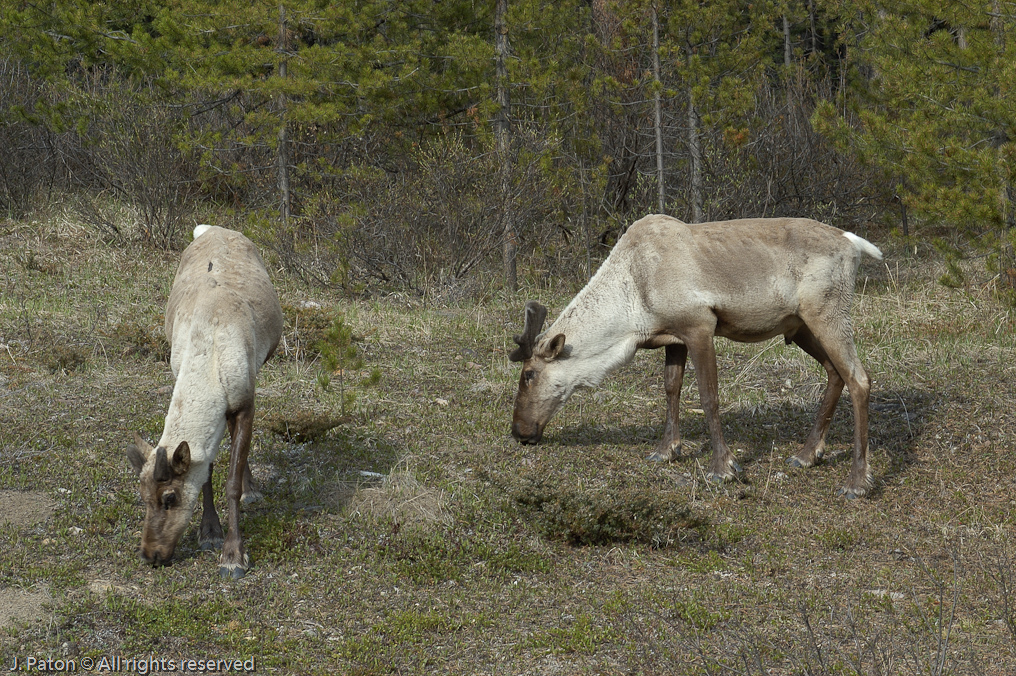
(203, 228)
(862, 245)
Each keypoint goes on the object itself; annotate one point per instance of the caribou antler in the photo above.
(535, 316)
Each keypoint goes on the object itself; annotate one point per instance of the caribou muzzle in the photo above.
(527, 433)
(157, 559)
(156, 554)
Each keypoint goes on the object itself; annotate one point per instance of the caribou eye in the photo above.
(529, 376)
(168, 500)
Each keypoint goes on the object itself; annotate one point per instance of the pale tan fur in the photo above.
(676, 285)
(223, 321)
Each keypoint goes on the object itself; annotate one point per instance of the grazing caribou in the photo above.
(223, 321)
(675, 285)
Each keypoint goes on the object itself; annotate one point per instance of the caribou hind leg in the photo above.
(814, 444)
(835, 337)
(250, 489)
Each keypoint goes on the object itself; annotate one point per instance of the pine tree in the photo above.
(718, 58)
(937, 82)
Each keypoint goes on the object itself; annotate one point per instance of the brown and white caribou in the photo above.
(675, 285)
(223, 321)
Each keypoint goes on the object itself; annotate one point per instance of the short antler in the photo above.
(536, 314)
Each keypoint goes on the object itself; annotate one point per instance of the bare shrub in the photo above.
(438, 219)
(102, 137)
(27, 161)
(879, 634)
(1000, 567)
(778, 165)
(769, 162)
(135, 159)
(560, 510)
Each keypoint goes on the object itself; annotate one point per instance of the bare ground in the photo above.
(21, 509)
(21, 606)
(24, 508)
(412, 535)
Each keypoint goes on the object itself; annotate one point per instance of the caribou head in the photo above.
(542, 390)
(168, 502)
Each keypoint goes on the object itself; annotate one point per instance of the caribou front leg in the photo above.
(722, 466)
(210, 534)
(234, 561)
(673, 377)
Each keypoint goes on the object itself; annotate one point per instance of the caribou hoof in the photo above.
(797, 463)
(665, 453)
(717, 478)
(251, 496)
(210, 544)
(231, 571)
(235, 566)
(852, 493)
(733, 469)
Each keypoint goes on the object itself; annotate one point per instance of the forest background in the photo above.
(402, 165)
(407, 145)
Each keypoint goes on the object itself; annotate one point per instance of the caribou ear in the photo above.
(554, 347)
(166, 468)
(181, 459)
(138, 453)
(536, 314)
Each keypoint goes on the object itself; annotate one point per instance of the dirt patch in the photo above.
(19, 605)
(24, 508)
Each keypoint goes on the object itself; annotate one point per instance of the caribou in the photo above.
(675, 285)
(223, 322)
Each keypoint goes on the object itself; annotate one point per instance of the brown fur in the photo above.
(160, 493)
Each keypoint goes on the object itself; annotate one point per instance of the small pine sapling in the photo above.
(338, 355)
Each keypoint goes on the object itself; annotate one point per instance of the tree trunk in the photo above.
(787, 62)
(695, 150)
(661, 197)
(285, 203)
(997, 25)
(1009, 192)
(904, 221)
(787, 52)
(814, 31)
(502, 134)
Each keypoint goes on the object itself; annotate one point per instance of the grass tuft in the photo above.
(603, 515)
(301, 426)
(400, 498)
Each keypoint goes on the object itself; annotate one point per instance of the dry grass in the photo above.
(400, 498)
(471, 554)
